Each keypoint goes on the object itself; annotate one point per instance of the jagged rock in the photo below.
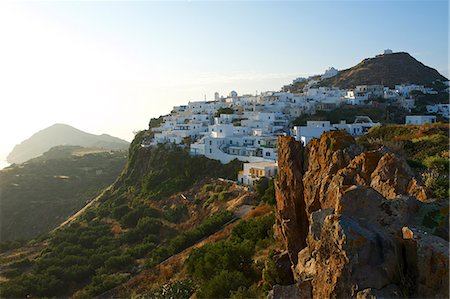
(427, 263)
(393, 177)
(291, 219)
(306, 265)
(407, 233)
(391, 291)
(298, 291)
(317, 219)
(283, 268)
(362, 209)
(323, 158)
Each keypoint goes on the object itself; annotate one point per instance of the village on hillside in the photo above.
(246, 127)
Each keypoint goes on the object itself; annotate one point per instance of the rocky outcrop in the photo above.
(353, 222)
(291, 218)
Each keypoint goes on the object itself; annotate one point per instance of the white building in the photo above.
(313, 129)
(252, 172)
(441, 109)
(371, 91)
(330, 72)
(353, 98)
(406, 89)
(420, 119)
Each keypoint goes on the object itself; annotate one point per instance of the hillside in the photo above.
(140, 221)
(41, 193)
(61, 134)
(170, 227)
(387, 70)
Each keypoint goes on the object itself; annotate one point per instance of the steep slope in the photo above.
(140, 221)
(39, 194)
(61, 134)
(371, 229)
(387, 70)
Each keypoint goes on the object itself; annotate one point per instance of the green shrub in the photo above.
(120, 262)
(207, 261)
(251, 292)
(207, 187)
(224, 195)
(102, 283)
(131, 218)
(176, 214)
(190, 237)
(261, 185)
(120, 211)
(222, 284)
(254, 229)
(440, 163)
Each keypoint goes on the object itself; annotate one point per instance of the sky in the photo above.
(109, 66)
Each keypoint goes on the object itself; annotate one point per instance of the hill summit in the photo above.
(62, 134)
(387, 70)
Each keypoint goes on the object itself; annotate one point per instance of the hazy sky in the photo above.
(107, 67)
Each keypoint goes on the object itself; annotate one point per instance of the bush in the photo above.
(190, 237)
(176, 214)
(131, 218)
(222, 284)
(120, 262)
(207, 187)
(207, 261)
(254, 229)
(102, 283)
(224, 195)
(252, 292)
(120, 211)
(261, 185)
(441, 164)
(141, 250)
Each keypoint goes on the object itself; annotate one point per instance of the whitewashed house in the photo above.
(440, 109)
(329, 73)
(371, 91)
(420, 119)
(313, 129)
(355, 99)
(252, 172)
(406, 89)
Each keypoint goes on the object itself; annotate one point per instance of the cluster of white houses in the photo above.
(246, 127)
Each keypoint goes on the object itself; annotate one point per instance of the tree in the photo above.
(226, 110)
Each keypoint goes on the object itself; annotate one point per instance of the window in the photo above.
(220, 130)
(210, 151)
(267, 154)
(210, 142)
